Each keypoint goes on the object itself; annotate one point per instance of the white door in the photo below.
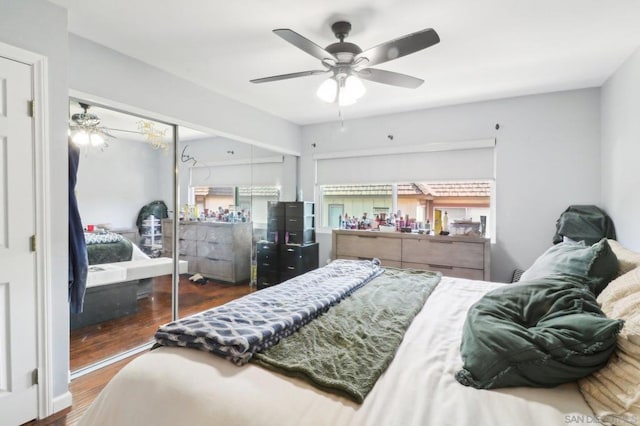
(18, 393)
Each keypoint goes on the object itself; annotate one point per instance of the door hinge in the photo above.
(32, 242)
(34, 377)
(32, 108)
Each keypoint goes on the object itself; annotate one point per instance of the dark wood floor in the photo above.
(94, 343)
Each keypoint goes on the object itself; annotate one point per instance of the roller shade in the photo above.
(423, 163)
(246, 174)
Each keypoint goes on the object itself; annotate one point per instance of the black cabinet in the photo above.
(275, 222)
(268, 264)
(299, 223)
(296, 260)
(290, 249)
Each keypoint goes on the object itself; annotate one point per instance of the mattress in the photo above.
(170, 386)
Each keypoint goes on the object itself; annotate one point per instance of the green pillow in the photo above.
(541, 333)
(596, 263)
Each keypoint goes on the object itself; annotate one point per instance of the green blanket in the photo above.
(109, 252)
(348, 348)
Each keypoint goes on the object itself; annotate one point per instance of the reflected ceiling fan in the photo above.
(85, 129)
(348, 63)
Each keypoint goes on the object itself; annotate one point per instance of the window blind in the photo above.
(423, 163)
(246, 174)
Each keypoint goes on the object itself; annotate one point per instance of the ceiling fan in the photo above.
(85, 129)
(347, 62)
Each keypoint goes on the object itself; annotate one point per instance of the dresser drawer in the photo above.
(190, 232)
(267, 279)
(192, 264)
(187, 248)
(167, 227)
(266, 248)
(275, 222)
(218, 234)
(215, 250)
(449, 271)
(298, 209)
(445, 253)
(383, 262)
(267, 257)
(275, 208)
(299, 223)
(297, 260)
(216, 268)
(368, 247)
(307, 236)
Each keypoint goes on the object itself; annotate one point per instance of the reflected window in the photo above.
(364, 205)
(250, 201)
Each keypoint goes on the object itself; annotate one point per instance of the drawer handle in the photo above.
(293, 220)
(441, 266)
(442, 242)
(291, 267)
(367, 236)
(290, 250)
(266, 264)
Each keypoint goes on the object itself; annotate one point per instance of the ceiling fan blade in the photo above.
(399, 47)
(287, 76)
(389, 77)
(304, 44)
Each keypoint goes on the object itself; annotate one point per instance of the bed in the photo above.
(171, 385)
(109, 247)
(119, 274)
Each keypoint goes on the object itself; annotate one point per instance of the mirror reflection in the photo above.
(125, 195)
(124, 189)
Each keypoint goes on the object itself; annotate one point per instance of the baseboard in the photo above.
(61, 402)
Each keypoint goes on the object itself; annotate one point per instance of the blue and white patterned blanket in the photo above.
(259, 320)
(102, 237)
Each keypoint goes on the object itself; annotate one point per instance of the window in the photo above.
(412, 179)
(252, 200)
(464, 201)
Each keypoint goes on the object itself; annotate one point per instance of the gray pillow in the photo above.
(541, 333)
(596, 263)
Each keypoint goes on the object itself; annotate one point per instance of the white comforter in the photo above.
(175, 386)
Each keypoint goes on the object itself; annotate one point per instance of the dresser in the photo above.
(217, 250)
(454, 256)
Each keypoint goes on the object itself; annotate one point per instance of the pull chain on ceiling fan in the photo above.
(348, 63)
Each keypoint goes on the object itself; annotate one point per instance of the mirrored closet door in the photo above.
(221, 209)
(137, 235)
(124, 190)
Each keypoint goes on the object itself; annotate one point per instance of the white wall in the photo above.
(621, 150)
(105, 73)
(547, 157)
(114, 183)
(41, 27)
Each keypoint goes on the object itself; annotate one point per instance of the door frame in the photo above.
(41, 159)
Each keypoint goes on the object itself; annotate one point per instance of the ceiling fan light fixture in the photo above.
(328, 90)
(353, 85)
(85, 130)
(96, 139)
(80, 137)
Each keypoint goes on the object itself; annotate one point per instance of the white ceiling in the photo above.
(489, 48)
